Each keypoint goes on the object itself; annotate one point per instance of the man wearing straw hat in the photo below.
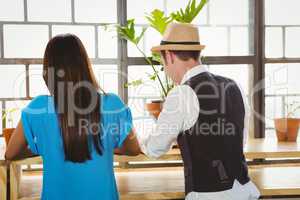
(207, 115)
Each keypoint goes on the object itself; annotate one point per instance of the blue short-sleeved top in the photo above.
(62, 179)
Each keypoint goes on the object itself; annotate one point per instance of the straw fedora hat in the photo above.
(180, 37)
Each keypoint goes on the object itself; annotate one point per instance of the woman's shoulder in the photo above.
(39, 101)
(112, 102)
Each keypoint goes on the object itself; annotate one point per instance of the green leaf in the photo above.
(153, 76)
(156, 57)
(134, 83)
(128, 32)
(158, 20)
(190, 12)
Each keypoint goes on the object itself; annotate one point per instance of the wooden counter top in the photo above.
(254, 149)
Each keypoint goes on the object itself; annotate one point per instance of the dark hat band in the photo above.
(182, 43)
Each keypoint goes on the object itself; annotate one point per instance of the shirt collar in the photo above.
(193, 72)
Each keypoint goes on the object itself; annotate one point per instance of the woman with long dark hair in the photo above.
(76, 129)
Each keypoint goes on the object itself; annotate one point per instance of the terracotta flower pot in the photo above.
(7, 133)
(287, 129)
(154, 108)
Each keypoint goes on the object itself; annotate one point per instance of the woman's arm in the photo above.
(17, 146)
(130, 145)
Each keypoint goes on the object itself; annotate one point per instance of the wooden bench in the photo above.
(167, 183)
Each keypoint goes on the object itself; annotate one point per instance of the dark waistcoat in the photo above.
(212, 150)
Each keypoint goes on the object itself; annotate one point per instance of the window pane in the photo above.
(219, 41)
(215, 39)
(236, 12)
(273, 109)
(107, 77)
(14, 117)
(49, 10)
(239, 73)
(152, 38)
(239, 41)
(36, 82)
(95, 11)
(107, 44)
(175, 5)
(292, 42)
(280, 12)
(282, 89)
(231, 38)
(282, 78)
(85, 33)
(12, 81)
(25, 41)
(12, 10)
(149, 88)
(274, 43)
(137, 9)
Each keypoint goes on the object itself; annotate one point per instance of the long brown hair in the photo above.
(67, 66)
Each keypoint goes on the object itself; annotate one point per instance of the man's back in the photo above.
(212, 149)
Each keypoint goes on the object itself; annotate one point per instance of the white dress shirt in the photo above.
(180, 112)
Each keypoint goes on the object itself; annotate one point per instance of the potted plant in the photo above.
(287, 128)
(158, 21)
(7, 132)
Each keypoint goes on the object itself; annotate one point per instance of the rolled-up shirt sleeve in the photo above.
(180, 112)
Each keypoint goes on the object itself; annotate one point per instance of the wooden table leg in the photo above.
(3, 182)
(15, 177)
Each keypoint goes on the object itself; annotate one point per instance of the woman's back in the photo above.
(93, 179)
(76, 129)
